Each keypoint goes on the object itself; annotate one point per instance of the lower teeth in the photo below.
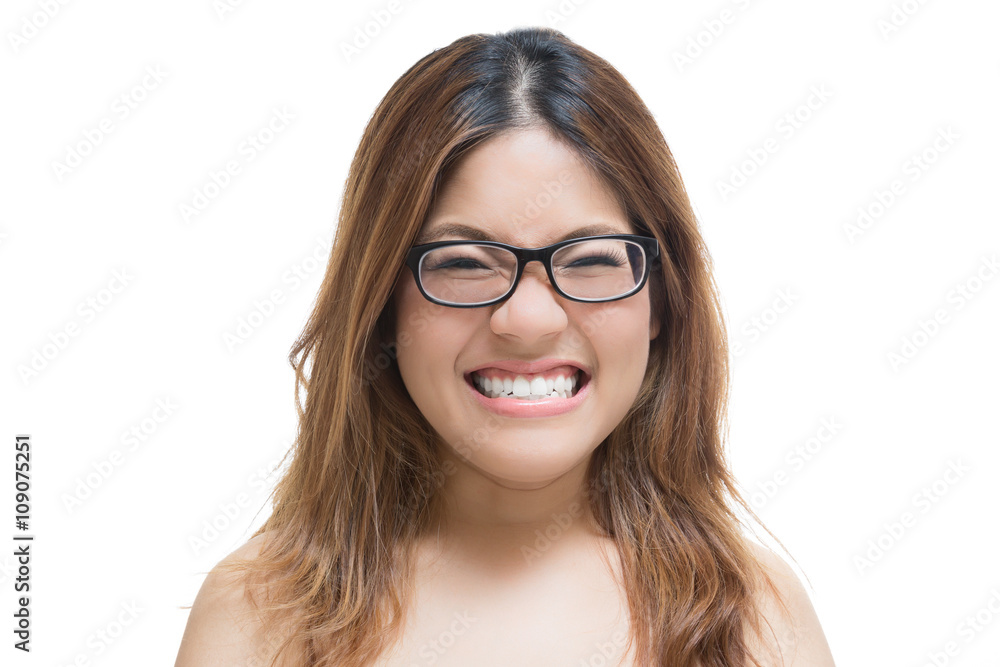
(529, 397)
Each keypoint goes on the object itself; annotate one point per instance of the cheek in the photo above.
(415, 315)
(619, 333)
(428, 336)
(625, 320)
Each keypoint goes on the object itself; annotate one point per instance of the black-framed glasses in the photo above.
(592, 269)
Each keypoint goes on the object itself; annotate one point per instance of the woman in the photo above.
(511, 447)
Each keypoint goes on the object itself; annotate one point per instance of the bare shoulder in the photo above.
(798, 637)
(222, 626)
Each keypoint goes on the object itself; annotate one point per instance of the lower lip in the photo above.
(543, 407)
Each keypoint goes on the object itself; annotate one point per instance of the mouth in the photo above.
(563, 382)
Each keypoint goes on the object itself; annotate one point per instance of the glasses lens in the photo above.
(468, 273)
(599, 268)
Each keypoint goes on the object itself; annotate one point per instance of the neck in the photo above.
(510, 524)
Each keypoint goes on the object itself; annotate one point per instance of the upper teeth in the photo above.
(530, 387)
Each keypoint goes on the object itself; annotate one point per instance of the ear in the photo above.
(654, 326)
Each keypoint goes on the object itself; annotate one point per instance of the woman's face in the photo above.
(529, 190)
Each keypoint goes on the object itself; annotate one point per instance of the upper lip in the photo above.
(531, 367)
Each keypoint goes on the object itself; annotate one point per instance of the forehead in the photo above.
(451, 230)
(526, 188)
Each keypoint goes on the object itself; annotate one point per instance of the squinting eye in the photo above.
(605, 258)
(457, 263)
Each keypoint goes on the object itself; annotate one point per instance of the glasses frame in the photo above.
(649, 245)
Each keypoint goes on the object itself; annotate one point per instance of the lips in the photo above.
(519, 408)
(562, 381)
(556, 404)
(550, 373)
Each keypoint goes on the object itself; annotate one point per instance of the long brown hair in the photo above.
(334, 573)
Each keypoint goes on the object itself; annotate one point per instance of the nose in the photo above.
(533, 311)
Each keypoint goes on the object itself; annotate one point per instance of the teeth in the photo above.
(522, 388)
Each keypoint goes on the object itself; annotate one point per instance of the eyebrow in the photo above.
(474, 234)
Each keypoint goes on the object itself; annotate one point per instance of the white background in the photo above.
(855, 299)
